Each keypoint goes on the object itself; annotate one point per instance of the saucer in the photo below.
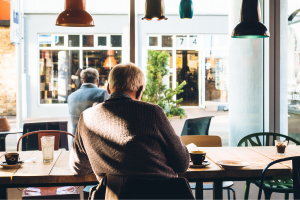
(6, 166)
(204, 164)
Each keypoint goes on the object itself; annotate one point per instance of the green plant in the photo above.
(156, 92)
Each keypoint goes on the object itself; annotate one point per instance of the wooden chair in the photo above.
(295, 176)
(207, 141)
(69, 192)
(278, 184)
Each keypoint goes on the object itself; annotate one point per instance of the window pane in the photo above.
(187, 69)
(153, 41)
(59, 41)
(103, 61)
(56, 82)
(73, 41)
(88, 41)
(45, 40)
(116, 41)
(167, 41)
(181, 41)
(102, 41)
(216, 76)
(194, 41)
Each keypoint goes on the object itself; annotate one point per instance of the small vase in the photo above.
(4, 125)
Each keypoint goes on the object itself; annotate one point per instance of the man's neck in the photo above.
(131, 94)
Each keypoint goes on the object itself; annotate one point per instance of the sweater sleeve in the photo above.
(79, 162)
(176, 152)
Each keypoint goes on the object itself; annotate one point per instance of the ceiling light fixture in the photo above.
(155, 10)
(186, 9)
(250, 25)
(75, 15)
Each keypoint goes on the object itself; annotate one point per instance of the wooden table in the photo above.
(57, 173)
(3, 135)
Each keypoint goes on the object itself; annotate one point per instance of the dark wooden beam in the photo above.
(132, 30)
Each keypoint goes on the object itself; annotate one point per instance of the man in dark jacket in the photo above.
(85, 96)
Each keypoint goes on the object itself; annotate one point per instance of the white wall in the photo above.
(41, 23)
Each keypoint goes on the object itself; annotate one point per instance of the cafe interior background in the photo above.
(249, 85)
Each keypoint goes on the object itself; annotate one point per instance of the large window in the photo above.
(201, 61)
(63, 57)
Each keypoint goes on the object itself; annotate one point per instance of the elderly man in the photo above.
(85, 96)
(124, 136)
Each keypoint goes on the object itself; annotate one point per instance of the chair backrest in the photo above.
(264, 139)
(30, 142)
(128, 187)
(196, 126)
(45, 133)
(202, 140)
(295, 175)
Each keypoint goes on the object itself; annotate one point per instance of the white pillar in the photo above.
(245, 82)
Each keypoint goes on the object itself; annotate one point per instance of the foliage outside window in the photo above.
(156, 92)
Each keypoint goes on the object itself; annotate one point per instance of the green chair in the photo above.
(278, 184)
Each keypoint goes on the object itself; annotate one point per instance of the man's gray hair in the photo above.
(89, 75)
(126, 77)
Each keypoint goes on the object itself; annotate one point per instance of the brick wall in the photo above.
(7, 74)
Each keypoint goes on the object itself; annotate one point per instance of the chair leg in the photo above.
(247, 188)
(233, 193)
(286, 196)
(267, 194)
(228, 192)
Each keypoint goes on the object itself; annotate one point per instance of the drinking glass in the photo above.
(48, 148)
(280, 147)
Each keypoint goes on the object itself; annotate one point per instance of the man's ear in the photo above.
(107, 88)
(139, 92)
(81, 81)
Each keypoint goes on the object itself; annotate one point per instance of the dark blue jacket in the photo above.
(82, 99)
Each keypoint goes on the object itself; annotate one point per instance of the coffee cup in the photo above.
(11, 158)
(197, 157)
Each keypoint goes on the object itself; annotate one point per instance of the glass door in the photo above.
(187, 69)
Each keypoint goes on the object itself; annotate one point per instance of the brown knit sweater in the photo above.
(126, 137)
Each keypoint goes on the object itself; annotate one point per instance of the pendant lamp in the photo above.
(110, 61)
(250, 25)
(75, 15)
(155, 10)
(186, 9)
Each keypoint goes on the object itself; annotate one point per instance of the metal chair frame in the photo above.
(295, 175)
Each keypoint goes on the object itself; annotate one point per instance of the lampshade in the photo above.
(4, 125)
(155, 10)
(110, 61)
(250, 25)
(186, 9)
(75, 15)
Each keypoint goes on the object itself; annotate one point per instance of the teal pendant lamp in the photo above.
(250, 25)
(186, 9)
(154, 10)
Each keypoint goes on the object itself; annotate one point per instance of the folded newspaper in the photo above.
(192, 147)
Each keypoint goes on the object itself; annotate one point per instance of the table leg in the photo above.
(199, 191)
(2, 142)
(3, 193)
(218, 190)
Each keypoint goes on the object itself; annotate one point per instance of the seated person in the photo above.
(124, 136)
(85, 96)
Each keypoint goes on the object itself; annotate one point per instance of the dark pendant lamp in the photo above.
(155, 10)
(250, 25)
(75, 15)
(186, 9)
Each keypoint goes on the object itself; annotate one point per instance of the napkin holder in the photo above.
(4, 125)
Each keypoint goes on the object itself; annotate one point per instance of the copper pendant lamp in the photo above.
(75, 15)
(155, 10)
(250, 25)
(110, 61)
